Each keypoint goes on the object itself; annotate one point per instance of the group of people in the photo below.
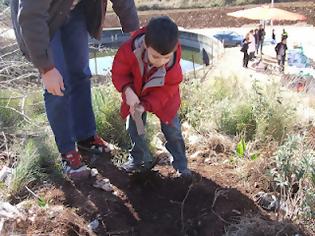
(53, 35)
(253, 44)
(254, 40)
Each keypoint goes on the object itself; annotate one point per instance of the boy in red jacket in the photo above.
(146, 71)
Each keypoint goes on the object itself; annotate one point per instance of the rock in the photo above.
(54, 211)
(196, 154)
(164, 157)
(93, 225)
(94, 172)
(8, 211)
(103, 184)
(194, 139)
(236, 212)
(208, 160)
(268, 201)
(6, 175)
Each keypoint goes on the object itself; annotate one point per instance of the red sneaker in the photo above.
(73, 167)
(95, 145)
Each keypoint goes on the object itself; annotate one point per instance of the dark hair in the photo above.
(161, 34)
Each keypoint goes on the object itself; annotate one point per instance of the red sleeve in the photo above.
(121, 70)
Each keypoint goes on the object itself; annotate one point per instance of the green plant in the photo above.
(106, 104)
(293, 175)
(238, 119)
(275, 116)
(36, 161)
(243, 150)
(10, 114)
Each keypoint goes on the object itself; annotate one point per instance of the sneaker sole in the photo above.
(142, 169)
(79, 175)
(92, 151)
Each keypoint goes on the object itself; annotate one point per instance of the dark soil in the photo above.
(155, 203)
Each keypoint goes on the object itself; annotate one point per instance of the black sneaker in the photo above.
(131, 167)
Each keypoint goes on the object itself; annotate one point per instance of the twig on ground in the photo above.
(182, 208)
(219, 192)
(26, 118)
(34, 194)
(5, 141)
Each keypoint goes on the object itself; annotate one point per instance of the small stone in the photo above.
(236, 212)
(94, 172)
(93, 225)
(196, 155)
(256, 185)
(103, 184)
(208, 160)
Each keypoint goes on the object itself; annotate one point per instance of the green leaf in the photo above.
(254, 157)
(41, 202)
(241, 148)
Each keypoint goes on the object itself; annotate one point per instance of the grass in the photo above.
(255, 225)
(36, 161)
(110, 125)
(259, 113)
(106, 104)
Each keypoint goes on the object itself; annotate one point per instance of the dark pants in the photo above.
(71, 117)
(245, 59)
(281, 61)
(140, 153)
(260, 45)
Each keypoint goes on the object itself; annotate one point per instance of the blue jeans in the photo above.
(140, 153)
(71, 117)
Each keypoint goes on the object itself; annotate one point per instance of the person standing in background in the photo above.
(281, 49)
(244, 49)
(261, 38)
(284, 34)
(273, 36)
(256, 40)
(252, 45)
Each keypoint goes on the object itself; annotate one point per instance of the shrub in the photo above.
(294, 175)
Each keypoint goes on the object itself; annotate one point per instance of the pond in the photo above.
(101, 61)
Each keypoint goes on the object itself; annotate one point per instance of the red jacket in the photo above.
(160, 96)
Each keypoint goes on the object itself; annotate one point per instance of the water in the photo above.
(101, 62)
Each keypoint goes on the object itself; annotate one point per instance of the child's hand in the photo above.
(139, 109)
(131, 98)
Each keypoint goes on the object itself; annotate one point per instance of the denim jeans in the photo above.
(140, 153)
(71, 117)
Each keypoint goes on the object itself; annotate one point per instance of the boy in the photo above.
(146, 71)
(281, 49)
